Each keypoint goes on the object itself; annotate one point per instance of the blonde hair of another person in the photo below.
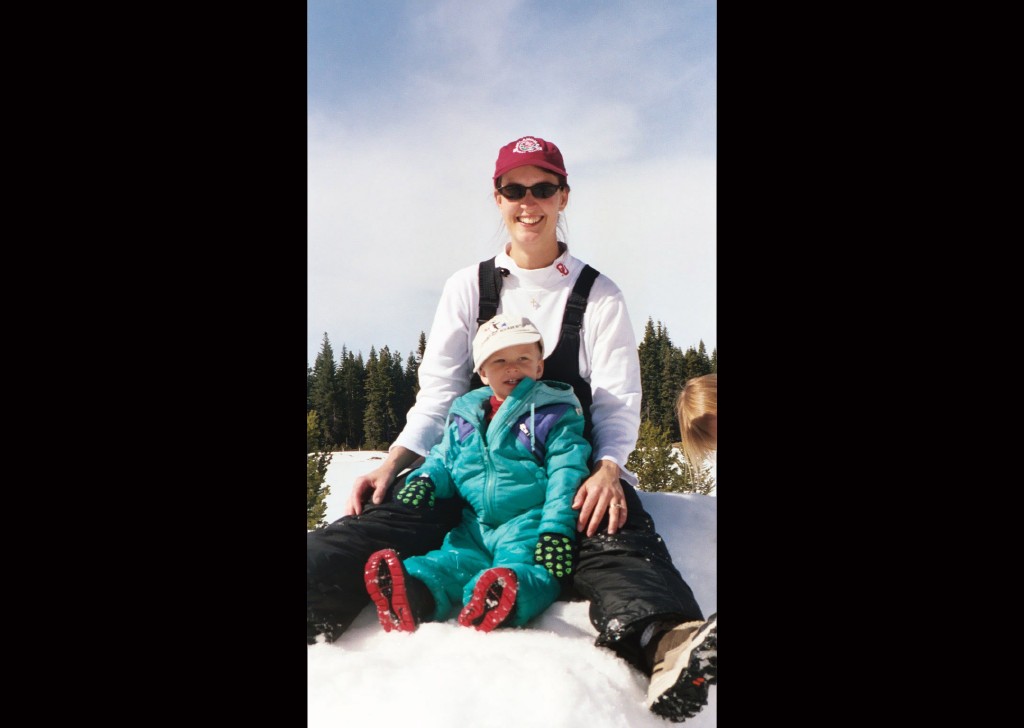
(697, 407)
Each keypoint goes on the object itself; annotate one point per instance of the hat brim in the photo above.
(539, 163)
(504, 341)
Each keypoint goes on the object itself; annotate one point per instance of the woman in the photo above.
(639, 604)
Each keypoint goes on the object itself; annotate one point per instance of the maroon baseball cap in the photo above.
(529, 150)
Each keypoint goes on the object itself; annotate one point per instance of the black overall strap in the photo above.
(563, 364)
(490, 289)
(572, 321)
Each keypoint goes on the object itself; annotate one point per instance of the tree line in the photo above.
(357, 404)
(361, 404)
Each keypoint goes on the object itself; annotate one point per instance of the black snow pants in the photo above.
(630, 582)
(628, 578)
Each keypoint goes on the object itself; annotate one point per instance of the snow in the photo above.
(547, 674)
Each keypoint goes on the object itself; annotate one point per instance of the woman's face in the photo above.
(531, 222)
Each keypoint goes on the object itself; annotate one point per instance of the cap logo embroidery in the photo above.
(527, 145)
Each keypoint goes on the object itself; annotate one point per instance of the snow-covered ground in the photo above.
(548, 674)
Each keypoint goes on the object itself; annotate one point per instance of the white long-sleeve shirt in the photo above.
(608, 351)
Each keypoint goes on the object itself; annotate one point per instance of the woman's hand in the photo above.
(601, 493)
(377, 481)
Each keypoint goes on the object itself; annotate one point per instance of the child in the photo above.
(514, 450)
(697, 408)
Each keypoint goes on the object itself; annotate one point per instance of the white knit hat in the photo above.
(502, 331)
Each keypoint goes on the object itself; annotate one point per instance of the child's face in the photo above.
(505, 368)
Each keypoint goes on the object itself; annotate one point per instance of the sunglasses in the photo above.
(541, 190)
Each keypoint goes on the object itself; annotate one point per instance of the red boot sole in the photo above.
(484, 612)
(385, 583)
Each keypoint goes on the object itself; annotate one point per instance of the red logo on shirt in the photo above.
(562, 269)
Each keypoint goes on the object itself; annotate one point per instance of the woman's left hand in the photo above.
(601, 493)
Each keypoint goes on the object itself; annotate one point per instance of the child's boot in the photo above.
(400, 599)
(494, 597)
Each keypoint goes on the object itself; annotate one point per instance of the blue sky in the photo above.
(408, 103)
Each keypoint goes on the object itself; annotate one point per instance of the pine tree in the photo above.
(672, 378)
(697, 361)
(421, 349)
(410, 385)
(660, 467)
(412, 369)
(655, 462)
(649, 353)
(324, 393)
(352, 398)
(398, 400)
(379, 417)
(317, 461)
(309, 387)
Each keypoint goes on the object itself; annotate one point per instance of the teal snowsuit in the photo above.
(518, 475)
